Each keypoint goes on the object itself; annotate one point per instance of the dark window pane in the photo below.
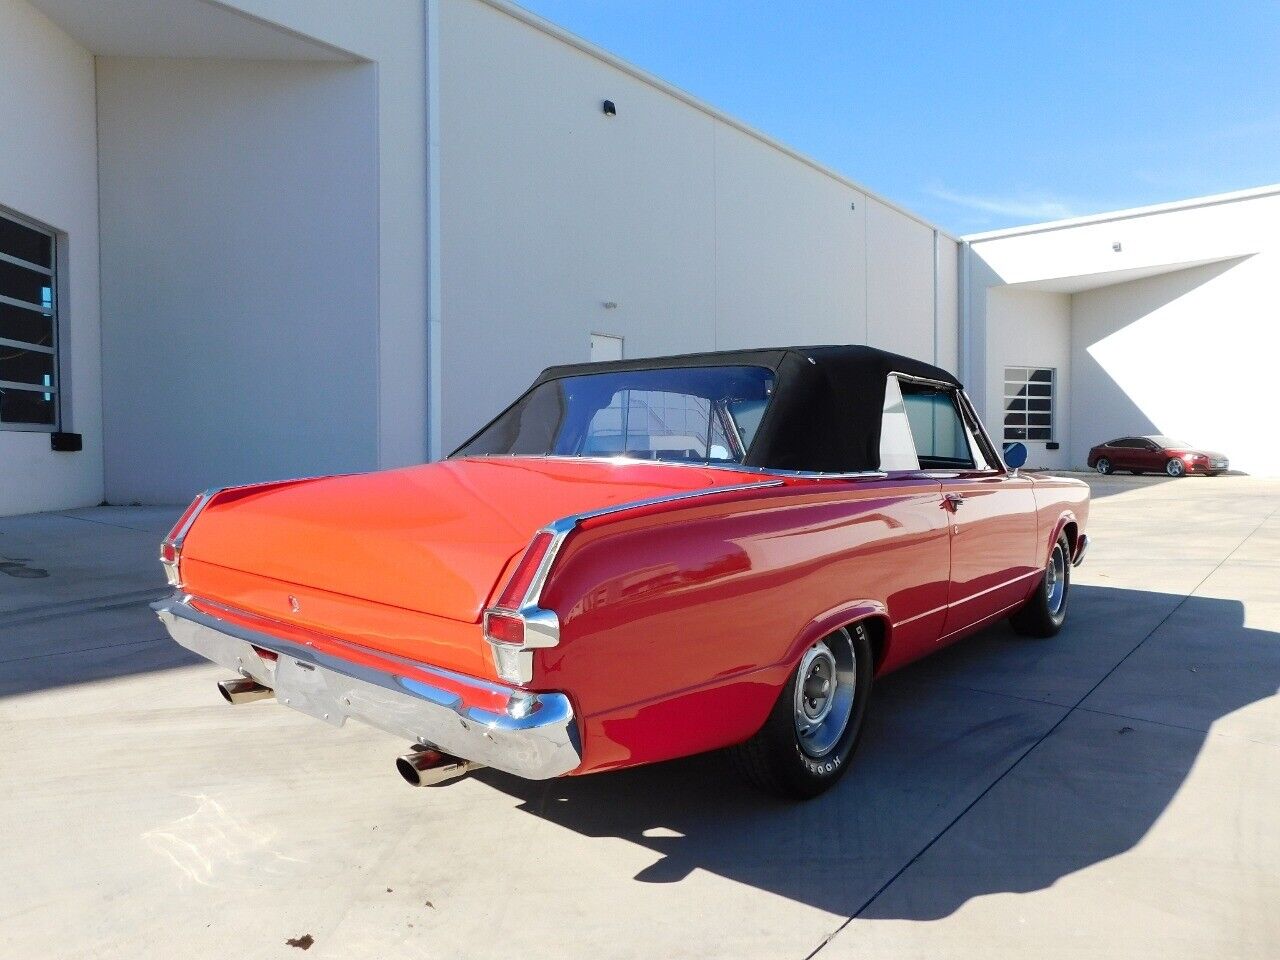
(1015, 433)
(1038, 419)
(1042, 376)
(25, 243)
(26, 366)
(26, 406)
(1038, 403)
(1015, 403)
(1038, 433)
(1039, 389)
(26, 285)
(28, 326)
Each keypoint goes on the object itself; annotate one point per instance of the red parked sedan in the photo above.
(1155, 455)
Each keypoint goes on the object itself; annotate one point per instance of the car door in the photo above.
(1150, 455)
(1124, 454)
(992, 512)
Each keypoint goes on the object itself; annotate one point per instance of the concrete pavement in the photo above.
(1109, 793)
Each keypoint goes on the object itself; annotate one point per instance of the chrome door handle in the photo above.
(954, 499)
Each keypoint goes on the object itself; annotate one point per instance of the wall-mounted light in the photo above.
(609, 109)
(1116, 246)
(610, 305)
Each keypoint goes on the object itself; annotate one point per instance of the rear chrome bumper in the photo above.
(531, 735)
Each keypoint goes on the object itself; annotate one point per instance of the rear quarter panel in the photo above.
(679, 628)
(1061, 503)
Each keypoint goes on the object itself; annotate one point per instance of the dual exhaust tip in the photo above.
(426, 767)
(423, 767)
(242, 690)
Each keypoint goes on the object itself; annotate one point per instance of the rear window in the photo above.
(692, 414)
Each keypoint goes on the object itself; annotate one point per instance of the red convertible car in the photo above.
(1155, 454)
(636, 561)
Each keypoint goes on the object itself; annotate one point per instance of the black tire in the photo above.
(777, 759)
(1175, 468)
(1045, 611)
(1104, 466)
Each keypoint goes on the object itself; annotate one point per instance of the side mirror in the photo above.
(1015, 455)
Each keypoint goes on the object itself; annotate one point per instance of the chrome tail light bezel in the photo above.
(541, 627)
(171, 545)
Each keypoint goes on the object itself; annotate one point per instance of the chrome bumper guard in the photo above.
(535, 736)
(1081, 546)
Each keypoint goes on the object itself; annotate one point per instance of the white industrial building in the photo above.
(246, 239)
(1157, 320)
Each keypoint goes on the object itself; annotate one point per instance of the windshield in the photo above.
(694, 414)
(1167, 442)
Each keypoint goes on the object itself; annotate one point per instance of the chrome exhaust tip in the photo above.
(241, 690)
(427, 767)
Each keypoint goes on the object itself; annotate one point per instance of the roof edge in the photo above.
(599, 53)
(1153, 209)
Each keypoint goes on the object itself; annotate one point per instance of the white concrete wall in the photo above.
(392, 37)
(239, 212)
(1030, 328)
(48, 173)
(705, 236)
(947, 328)
(899, 283)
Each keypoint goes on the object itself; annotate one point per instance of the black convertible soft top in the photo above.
(827, 400)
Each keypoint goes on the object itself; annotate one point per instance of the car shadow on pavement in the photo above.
(975, 756)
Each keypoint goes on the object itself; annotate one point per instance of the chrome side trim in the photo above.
(204, 499)
(963, 600)
(560, 529)
(533, 735)
(542, 626)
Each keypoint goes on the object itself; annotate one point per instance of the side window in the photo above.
(897, 448)
(941, 440)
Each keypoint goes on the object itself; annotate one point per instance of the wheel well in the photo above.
(1071, 531)
(878, 634)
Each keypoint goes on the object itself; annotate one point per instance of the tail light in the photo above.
(171, 545)
(516, 625)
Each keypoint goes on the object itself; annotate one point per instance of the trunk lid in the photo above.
(432, 539)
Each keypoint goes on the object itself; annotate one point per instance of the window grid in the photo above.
(29, 391)
(1029, 401)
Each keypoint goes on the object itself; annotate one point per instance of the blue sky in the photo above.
(979, 115)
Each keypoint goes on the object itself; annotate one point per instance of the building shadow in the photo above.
(937, 740)
(1112, 390)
